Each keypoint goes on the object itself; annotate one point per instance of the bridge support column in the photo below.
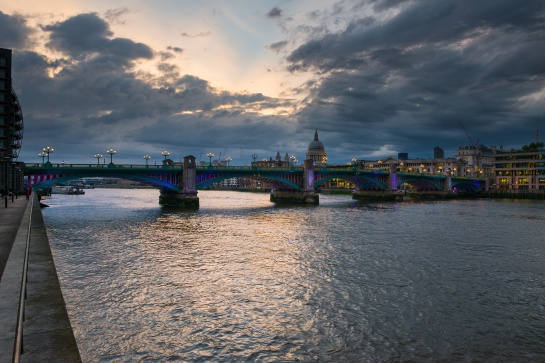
(392, 178)
(187, 198)
(305, 196)
(448, 181)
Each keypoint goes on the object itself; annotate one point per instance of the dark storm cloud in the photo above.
(409, 80)
(14, 32)
(274, 13)
(86, 34)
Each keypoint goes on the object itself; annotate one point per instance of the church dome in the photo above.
(316, 145)
(316, 151)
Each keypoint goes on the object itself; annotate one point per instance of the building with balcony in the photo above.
(519, 170)
(11, 129)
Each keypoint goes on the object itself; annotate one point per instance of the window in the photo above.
(504, 181)
(523, 181)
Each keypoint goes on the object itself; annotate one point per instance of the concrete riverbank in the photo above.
(47, 333)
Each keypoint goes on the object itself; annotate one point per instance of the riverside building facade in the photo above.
(519, 170)
(11, 129)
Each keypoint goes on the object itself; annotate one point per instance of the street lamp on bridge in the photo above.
(354, 161)
(293, 158)
(228, 160)
(165, 154)
(111, 151)
(98, 157)
(254, 156)
(210, 155)
(42, 155)
(48, 150)
(147, 157)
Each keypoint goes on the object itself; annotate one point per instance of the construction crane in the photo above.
(476, 157)
(468, 135)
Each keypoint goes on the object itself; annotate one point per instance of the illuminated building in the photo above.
(519, 170)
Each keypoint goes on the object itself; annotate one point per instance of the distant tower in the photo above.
(438, 153)
(316, 151)
(403, 156)
(11, 115)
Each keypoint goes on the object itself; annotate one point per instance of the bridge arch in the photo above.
(467, 185)
(354, 179)
(276, 182)
(157, 183)
(421, 184)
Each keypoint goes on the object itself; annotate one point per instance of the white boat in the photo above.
(71, 190)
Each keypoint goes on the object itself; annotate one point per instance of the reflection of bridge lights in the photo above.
(98, 157)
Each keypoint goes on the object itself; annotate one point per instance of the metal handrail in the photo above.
(18, 344)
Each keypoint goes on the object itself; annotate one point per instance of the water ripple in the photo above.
(243, 280)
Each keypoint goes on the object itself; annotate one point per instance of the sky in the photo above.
(241, 77)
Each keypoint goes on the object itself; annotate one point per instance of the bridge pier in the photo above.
(305, 196)
(294, 197)
(180, 200)
(187, 198)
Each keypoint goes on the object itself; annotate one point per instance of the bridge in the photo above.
(179, 183)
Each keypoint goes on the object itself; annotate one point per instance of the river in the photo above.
(243, 280)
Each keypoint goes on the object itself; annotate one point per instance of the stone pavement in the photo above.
(47, 333)
(10, 219)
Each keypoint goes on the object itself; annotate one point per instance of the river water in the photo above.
(243, 280)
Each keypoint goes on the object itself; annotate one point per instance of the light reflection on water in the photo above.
(242, 280)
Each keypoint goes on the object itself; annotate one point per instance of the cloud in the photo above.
(198, 35)
(175, 49)
(14, 31)
(408, 79)
(278, 46)
(274, 13)
(87, 34)
(114, 15)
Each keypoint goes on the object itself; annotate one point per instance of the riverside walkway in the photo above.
(47, 333)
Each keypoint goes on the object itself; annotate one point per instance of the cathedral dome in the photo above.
(316, 145)
(316, 151)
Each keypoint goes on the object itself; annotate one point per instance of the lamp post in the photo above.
(111, 151)
(228, 159)
(12, 180)
(42, 155)
(210, 155)
(98, 157)
(165, 154)
(17, 184)
(147, 157)
(354, 160)
(254, 156)
(293, 158)
(6, 159)
(324, 160)
(48, 150)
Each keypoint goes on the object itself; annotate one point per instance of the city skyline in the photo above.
(374, 77)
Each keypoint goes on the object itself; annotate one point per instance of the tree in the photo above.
(533, 146)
